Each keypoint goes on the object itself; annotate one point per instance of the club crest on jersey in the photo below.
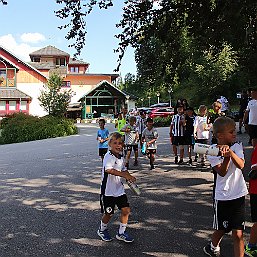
(109, 209)
(225, 224)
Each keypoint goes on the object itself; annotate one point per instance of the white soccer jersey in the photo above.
(112, 185)
(200, 125)
(232, 185)
(150, 135)
(130, 137)
(252, 108)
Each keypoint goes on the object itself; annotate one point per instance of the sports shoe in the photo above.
(180, 161)
(105, 236)
(208, 251)
(252, 252)
(176, 159)
(125, 237)
(190, 162)
(152, 167)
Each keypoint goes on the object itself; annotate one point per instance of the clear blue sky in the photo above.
(28, 25)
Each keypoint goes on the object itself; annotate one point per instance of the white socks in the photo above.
(122, 228)
(215, 248)
(103, 226)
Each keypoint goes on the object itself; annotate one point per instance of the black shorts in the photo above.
(252, 131)
(229, 215)
(202, 141)
(150, 151)
(102, 151)
(108, 203)
(176, 140)
(130, 147)
(253, 202)
(189, 140)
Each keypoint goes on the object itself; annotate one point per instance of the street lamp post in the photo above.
(170, 92)
(158, 97)
(142, 100)
(149, 99)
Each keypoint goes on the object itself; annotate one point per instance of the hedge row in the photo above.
(21, 127)
(162, 122)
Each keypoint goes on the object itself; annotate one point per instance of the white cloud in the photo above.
(32, 37)
(20, 50)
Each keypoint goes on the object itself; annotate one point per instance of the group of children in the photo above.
(230, 187)
(187, 128)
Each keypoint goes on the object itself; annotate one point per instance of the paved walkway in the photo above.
(49, 202)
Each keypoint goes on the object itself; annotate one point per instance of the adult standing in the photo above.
(242, 107)
(251, 113)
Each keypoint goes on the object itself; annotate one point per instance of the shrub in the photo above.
(21, 127)
(162, 122)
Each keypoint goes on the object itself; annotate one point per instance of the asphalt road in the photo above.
(50, 202)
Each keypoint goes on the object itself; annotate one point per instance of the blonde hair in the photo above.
(221, 124)
(217, 103)
(115, 136)
(132, 119)
(202, 108)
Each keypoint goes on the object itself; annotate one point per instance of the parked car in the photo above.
(147, 110)
(161, 112)
(160, 105)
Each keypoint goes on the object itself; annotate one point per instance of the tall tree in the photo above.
(54, 100)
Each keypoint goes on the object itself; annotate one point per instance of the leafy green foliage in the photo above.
(53, 99)
(21, 127)
(162, 121)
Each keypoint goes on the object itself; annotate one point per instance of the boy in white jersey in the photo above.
(150, 136)
(230, 188)
(112, 190)
(131, 139)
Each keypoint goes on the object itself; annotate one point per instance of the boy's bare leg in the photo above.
(181, 152)
(216, 237)
(128, 156)
(124, 215)
(175, 150)
(106, 218)
(253, 235)
(238, 239)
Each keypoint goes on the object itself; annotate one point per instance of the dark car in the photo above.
(161, 112)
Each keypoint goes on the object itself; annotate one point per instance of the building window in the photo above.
(35, 59)
(74, 69)
(12, 105)
(23, 105)
(61, 61)
(66, 84)
(2, 105)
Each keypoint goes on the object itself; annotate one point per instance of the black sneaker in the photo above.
(195, 160)
(180, 161)
(176, 159)
(208, 251)
(190, 161)
(152, 167)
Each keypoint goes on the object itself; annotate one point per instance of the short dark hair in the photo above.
(149, 120)
(102, 120)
